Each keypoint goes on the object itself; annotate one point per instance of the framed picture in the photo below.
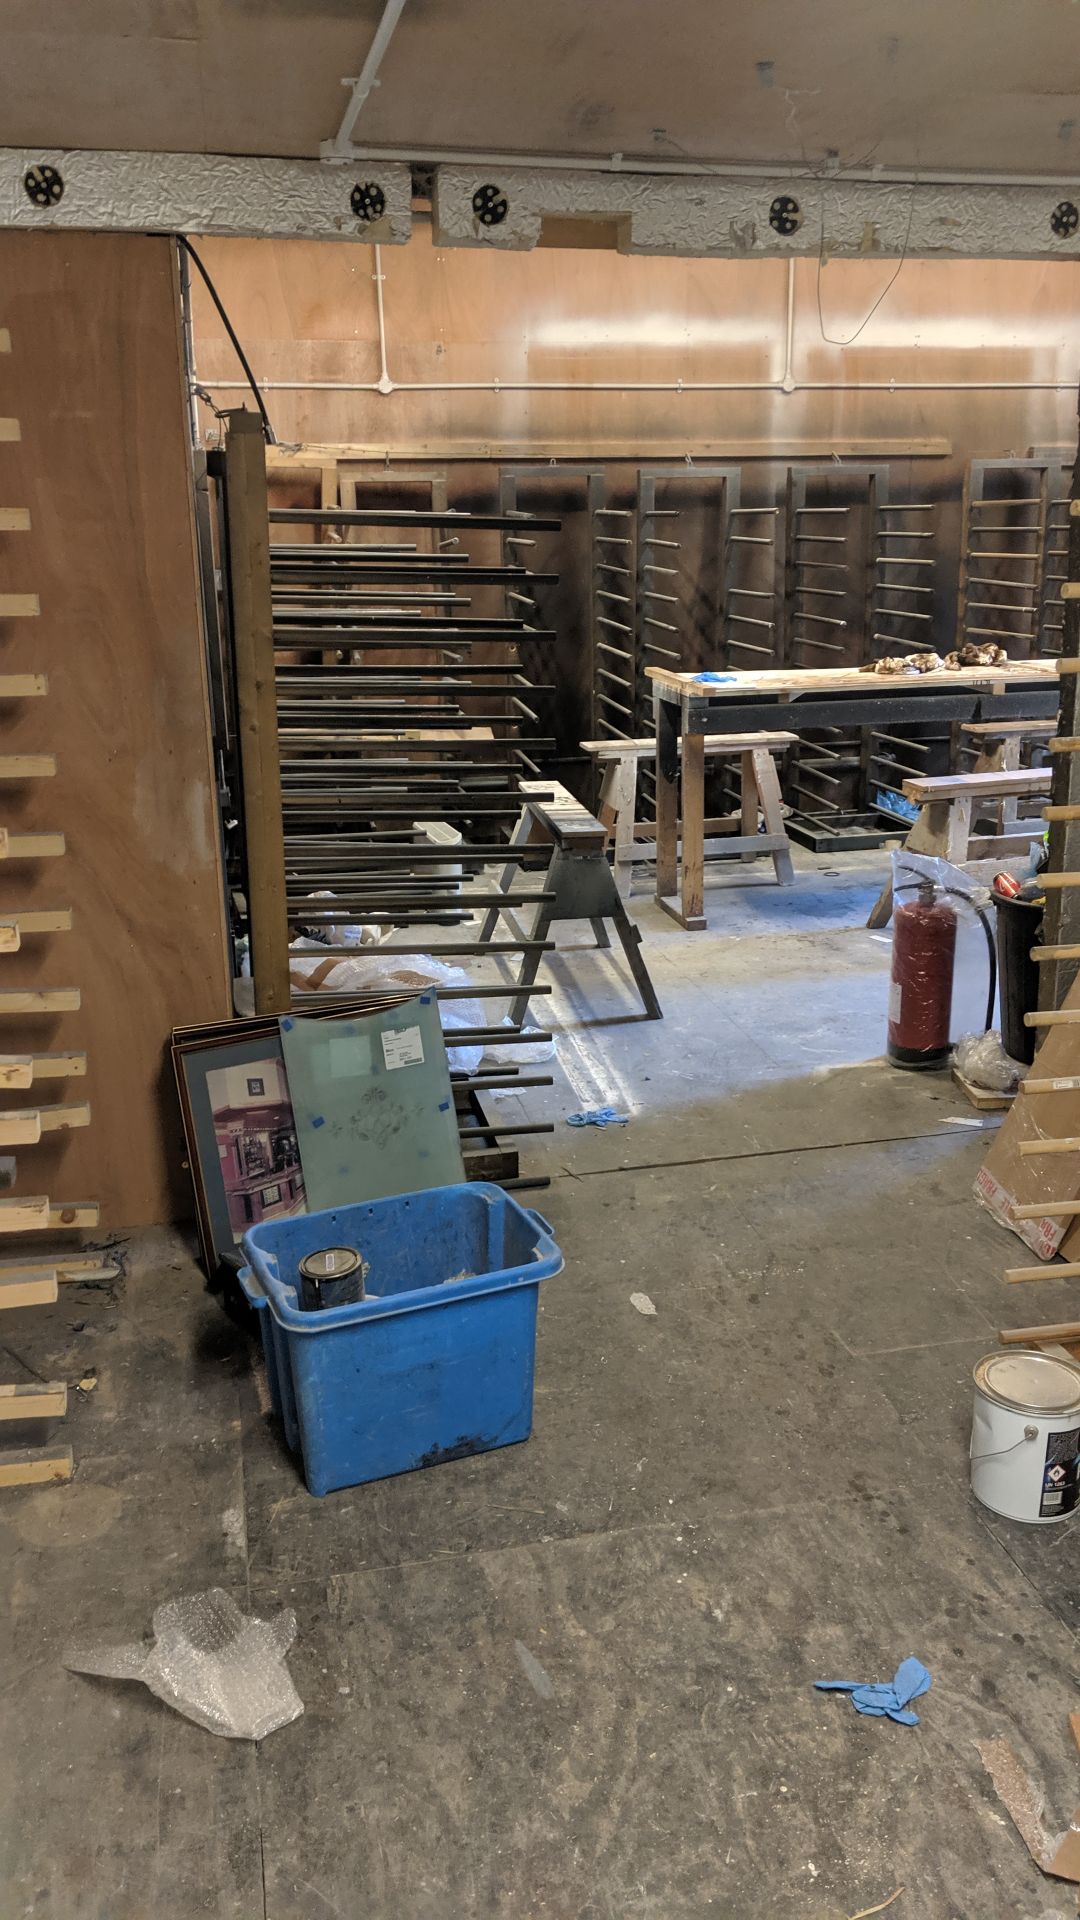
(239, 1127)
(241, 1138)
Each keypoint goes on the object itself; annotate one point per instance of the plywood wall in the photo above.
(306, 312)
(94, 378)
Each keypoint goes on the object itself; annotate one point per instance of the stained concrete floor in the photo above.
(573, 1679)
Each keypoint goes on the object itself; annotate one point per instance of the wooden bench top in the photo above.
(719, 743)
(980, 729)
(564, 817)
(796, 680)
(964, 786)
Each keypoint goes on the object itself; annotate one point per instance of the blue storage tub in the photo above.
(437, 1361)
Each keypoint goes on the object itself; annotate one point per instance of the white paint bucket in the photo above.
(1025, 1438)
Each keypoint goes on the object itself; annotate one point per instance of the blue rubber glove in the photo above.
(883, 1699)
(598, 1117)
(717, 679)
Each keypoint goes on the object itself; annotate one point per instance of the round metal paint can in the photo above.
(1025, 1436)
(331, 1277)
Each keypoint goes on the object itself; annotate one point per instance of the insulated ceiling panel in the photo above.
(974, 85)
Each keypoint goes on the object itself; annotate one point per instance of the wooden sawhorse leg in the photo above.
(584, 888)
(760, 776)
(689, 910)
(618, 811)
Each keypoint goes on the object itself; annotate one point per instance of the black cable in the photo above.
(268, 431)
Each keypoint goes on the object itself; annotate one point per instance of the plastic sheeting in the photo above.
(217, 1666)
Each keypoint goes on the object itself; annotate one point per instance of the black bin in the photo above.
(1019, 927)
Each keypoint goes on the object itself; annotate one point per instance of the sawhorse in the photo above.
(581, 883)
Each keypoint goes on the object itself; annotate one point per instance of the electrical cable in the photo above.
(832, 341)
(268, 431)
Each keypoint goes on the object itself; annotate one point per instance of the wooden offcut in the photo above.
(31, 846)
(23, 686)
(39, 1000)
(44, 1400)
(30, 1466)
(10, 937)
(22, 1289)
(22, 1069)
(19, 606)
(14, 519)
(20, 1128)
(24, 1215)
(73, 1213)
(27, 766)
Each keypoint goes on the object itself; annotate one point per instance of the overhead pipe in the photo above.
(340, 147)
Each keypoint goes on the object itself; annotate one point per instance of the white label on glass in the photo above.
(403, 1047)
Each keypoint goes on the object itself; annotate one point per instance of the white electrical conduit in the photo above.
(340, 148)
(787, 383)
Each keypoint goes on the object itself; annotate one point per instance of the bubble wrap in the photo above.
(219, 1667)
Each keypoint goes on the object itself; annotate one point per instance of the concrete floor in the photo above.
(573, 1679)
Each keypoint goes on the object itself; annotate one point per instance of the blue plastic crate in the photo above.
(437, 1361)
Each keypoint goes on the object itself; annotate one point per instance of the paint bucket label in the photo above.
(1061, 1473)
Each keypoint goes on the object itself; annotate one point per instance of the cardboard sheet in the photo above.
(1006, 1180)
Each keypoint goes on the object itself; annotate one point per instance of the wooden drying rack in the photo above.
(26, 1281)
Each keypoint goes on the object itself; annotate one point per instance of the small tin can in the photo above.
(331, 1277)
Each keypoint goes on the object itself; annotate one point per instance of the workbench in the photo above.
(690, 707)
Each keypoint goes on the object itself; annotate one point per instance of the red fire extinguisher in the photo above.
(920, 988)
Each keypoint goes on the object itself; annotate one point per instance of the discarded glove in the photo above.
(881, 1698)
(598, 1117)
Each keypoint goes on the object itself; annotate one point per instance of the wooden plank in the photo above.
(39, 1000)
(1052, 1270)
(1048, 1210)
(72, 1268)
(24, 1215)
(981, 785)
(19, 606)
(20, 1127)
(797, 680)
(309, 458)
(74, 1213)
(40, 919)
(21, 1289)
(253, 645)
(1052, 1334)
(1059, 880)
(61, 1119)
(5, 340)
(1068, 812)
(22, 1069)
(59, 1066)
(29, 1467)
(14, 519)
(9, 429)
(996, 729)
(1070, 591)
(27, 766)
(10, 940)
(31, 846)
(715, 744)
(44, 1400)
(23, 686)
(1040, 954)
(1065, 743)
(1030, 1148)
(1067, 1084)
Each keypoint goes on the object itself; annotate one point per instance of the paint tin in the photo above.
(331, 1277)
(1025, 1437)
